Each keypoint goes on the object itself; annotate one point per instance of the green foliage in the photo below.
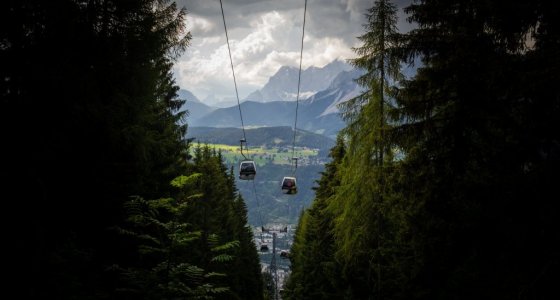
(315, 273)
(222, 214)
(95, 78)
(463, 212)
(226, 246)
(182, 181)
(164, 271)
(193, 247)
(360, 205)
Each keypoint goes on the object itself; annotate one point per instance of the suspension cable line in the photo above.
(294, 167)
(244, 140)
(258, 205)
(234, 80)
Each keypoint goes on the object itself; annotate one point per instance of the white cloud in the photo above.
(196, 23)
(256, 56)
(325, 50)
(264, 35)
(209, 41)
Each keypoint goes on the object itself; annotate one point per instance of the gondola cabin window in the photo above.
(247, 170)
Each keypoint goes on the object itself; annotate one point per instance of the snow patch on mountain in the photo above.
(341, 97)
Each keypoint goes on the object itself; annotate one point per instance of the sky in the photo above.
(265, 35)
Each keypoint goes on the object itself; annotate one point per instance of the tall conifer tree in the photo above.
(315, 273)
(95, 77)
(468, 121)
(359, 201)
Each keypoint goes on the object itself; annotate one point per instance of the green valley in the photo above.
(266, 155)
(271, 148)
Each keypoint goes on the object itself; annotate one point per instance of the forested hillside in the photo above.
(104, 201)
(442, 186)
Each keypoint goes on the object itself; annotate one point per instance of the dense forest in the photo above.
(104, 200)
(443, 185)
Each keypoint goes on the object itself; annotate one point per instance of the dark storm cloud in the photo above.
(324, 17)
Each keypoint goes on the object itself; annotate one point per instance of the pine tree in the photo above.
(221, 211)
(360, 205)
(196, 245)
(463, 211)
(465, 131)
(315, 273)
(95, 78)
(164, 268)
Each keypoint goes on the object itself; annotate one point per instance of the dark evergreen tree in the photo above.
(165, 268)
(195, 246)
(462, 208)
(220, 211)
(315, 274)
(361, 232)
(93, 81)
(477, 211)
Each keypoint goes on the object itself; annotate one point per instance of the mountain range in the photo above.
(318, 113)
(283, 85)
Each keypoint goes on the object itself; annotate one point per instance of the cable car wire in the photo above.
(239, 104)
(233, 72)
(241, 116)
(258, 204)
(294, 168)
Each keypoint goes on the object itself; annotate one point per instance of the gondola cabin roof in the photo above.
(289, 181)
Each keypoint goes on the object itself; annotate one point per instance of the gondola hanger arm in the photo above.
(241, 141)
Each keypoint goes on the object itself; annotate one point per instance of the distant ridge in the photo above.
(318, 114)
(279, 136)
(195, 108)
(283, 84)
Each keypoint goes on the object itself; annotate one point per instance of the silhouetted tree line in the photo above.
(90, 118)
(443, 185)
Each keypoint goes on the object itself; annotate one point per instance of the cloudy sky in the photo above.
(264, 35)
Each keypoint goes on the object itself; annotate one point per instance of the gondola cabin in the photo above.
(247, 170)
(289, 185)
(264, 247)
